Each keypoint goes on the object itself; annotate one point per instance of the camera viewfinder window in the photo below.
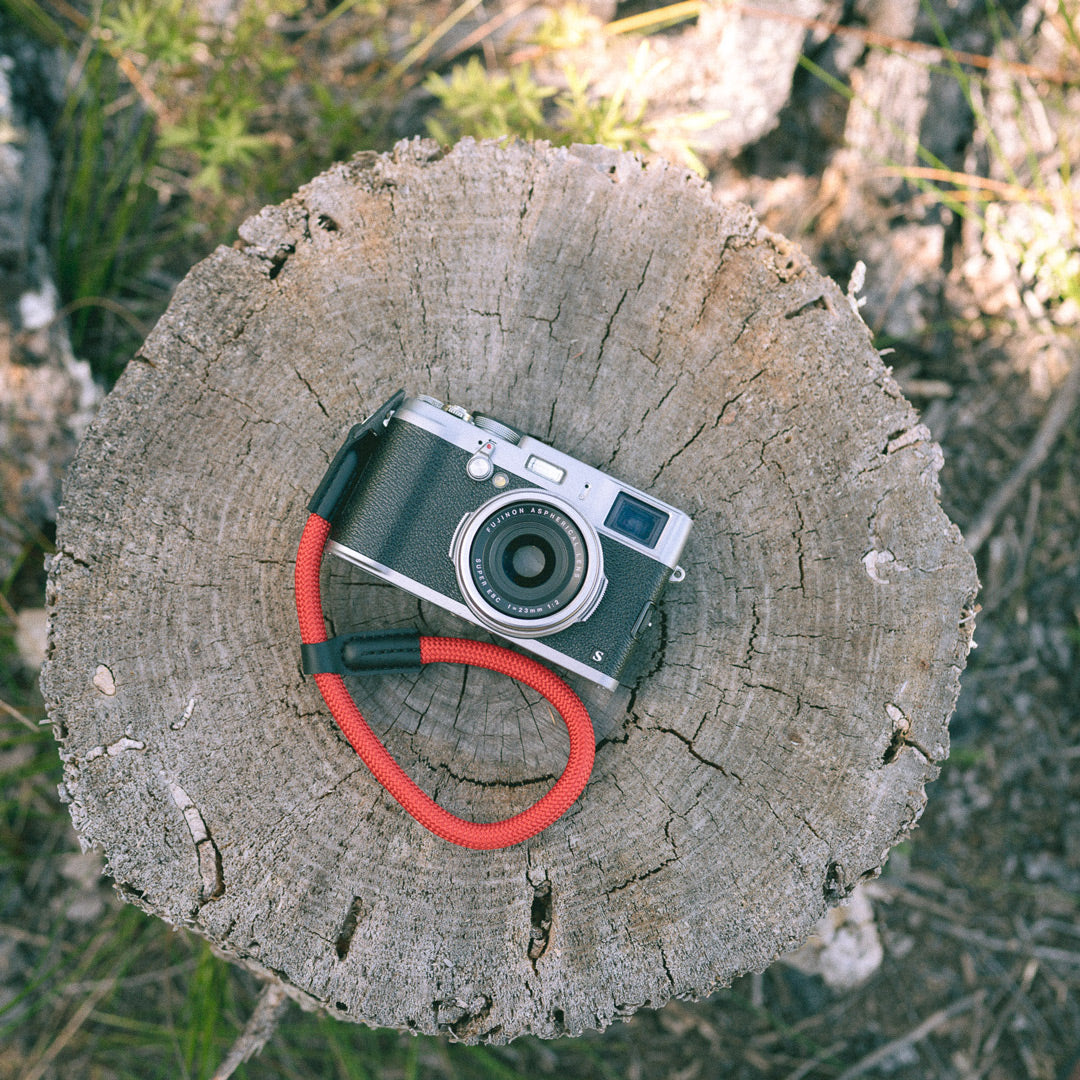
(636, 520)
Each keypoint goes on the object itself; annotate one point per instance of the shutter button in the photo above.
(479, 466)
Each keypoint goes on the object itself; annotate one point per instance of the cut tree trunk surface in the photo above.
(781, 720)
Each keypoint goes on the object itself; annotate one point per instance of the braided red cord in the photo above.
(481, 836)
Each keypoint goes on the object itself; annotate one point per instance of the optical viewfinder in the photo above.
(635, 519)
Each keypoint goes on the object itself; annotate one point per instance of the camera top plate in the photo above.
(592, 492)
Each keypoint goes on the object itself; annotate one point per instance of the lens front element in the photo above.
(528, 560)
(529, 565)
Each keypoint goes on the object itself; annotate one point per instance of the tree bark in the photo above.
(779, 727)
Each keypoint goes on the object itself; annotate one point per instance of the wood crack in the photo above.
(348, 928)
(540, 916)
(643, 876)
(682, 449)
(604, 339)
(311, 390)
(689, 744)
(444, 770)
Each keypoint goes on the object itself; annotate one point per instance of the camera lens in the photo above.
(529, 566)
(528, 560)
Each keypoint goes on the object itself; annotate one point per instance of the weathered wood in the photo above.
(782, 722)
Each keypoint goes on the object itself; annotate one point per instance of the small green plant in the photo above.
(174, 128)
(107, 220)
(206, 83)
(160, 123)
(560, 101)
(164, 33)
(496, 104)
(611, 121)
(488, 105)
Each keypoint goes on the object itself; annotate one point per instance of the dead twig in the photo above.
(258, 1031)
(104, 302)
(69, 1030)
(419, 51)
(1005, 1015)
(484, 31)
(932, 53)
(969, 187)
(1049, 954)
(25, 937)
(915, 1035)
(126, 64)
(1051, 427)
(810, 1065)
(14, 713)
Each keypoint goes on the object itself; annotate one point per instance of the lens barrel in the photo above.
(528, 560)
(528, 564)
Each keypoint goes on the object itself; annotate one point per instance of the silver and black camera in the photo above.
(507, 532)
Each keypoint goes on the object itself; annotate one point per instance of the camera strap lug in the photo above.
(379, 652)
(350, 459)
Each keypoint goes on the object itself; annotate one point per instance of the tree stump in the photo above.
(776, 734)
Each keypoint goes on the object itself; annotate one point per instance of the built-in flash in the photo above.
(545, 469)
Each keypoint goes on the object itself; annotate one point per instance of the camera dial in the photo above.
(497, 428)
(528, 564)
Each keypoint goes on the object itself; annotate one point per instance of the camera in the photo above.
(501, 529)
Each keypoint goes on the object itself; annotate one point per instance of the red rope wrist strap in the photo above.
(497, 834)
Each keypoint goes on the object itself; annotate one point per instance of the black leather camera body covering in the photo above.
(398, 520)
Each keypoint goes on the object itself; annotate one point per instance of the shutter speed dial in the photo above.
(498, 428)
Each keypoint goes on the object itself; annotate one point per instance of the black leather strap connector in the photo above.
(380, 652)
(349, 461)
